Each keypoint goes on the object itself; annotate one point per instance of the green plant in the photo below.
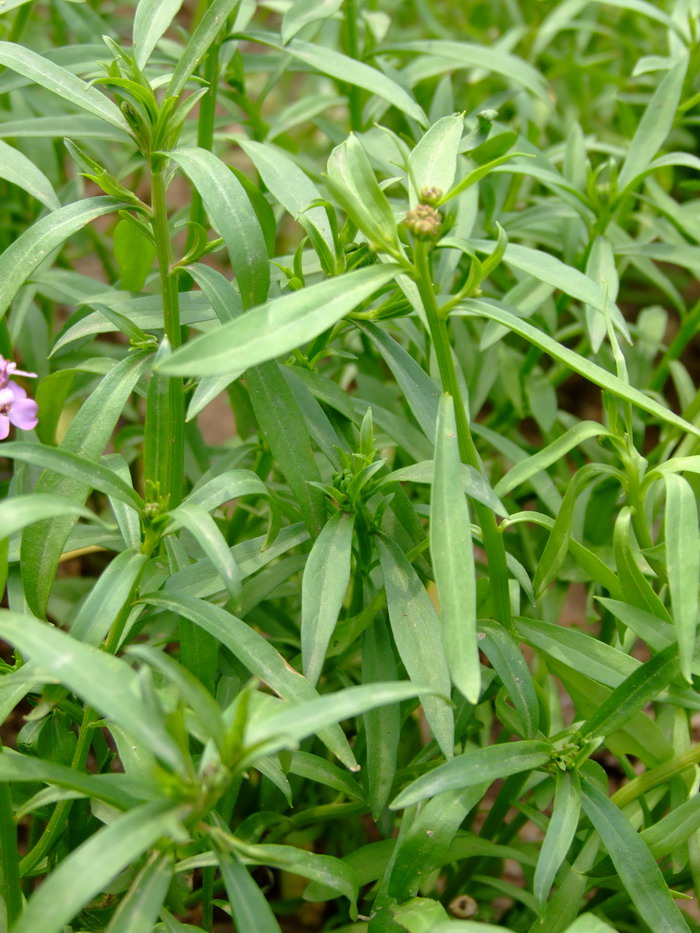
(437, 266)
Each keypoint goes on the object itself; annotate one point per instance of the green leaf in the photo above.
(654, 126)
(579, 364)
(434, 159)
(452, 554)
(115, 789)
(255, 653)
(635, 587)
(232, 214)
(226, 486)
(108, 597)
(475, 767)
(641, 687)
(89, 433)
(633, 862)
(550, 454)
(383, 724)
(20, 511)
(42, 71)
(303, 12)
(100, 679)
(65, 463)
(210, 538)
(90, 867)
(138, 910)
(419, 915)
(682, 564)
(325, 580)
(32, 247)
(278, 327)
(589, 923)
(560, 833)
(348, 70)
(205, 34)
(507, 659)
(151, 20)
(288, 184)
(417, 634)
(134, 254)
(472, 482)
(251, 911)
(16, 168)
(470, 55)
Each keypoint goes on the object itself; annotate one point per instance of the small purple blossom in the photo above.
(15, 407)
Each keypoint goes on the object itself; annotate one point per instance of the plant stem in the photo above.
(172, 492)
(10, 890)
(353, 50)
(493, 540)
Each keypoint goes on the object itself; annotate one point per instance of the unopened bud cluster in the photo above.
(423, 221)
(430, 194)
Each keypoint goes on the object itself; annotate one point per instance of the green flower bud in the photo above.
(423, 221)
(430, 194)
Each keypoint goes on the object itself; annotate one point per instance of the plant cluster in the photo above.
(349, 540)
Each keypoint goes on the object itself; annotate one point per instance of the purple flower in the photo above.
(15, 407)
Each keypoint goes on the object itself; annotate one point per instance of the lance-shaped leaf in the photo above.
(210, 538)
(326, 578)
(48, 74)
(100, 679)
(633, 862)
(108, 597)
(303, 12)
(560, 832)
(232, 214)
(251, 911)
(20, 511)
(89, 433)
(16, 168)
(434, 159)
(30, 249)
(138, 910)
(90, 867)
(277, 327)
(151, 20)
(453, 557)
(474, 767)
(682, 564)
(417, 633)
(208, 28)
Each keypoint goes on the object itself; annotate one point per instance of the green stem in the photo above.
(10, 889)
(659, 775)
(493, 540)
(353, 50)
(171, 487)
(57, 822)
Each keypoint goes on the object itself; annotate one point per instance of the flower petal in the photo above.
(23, 414)
(16, 390)
(4, 427)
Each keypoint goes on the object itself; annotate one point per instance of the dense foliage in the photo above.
(351, 441)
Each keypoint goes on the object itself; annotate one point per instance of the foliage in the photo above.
(436, 261)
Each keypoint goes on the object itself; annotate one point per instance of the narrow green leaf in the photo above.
(232, 214)
(134, 254)
(100, 679)
(560, 832)
(251, 911)
(589, 923)
(325, 580)
(108, 597)
(16, 168)
(20, 511)
(550, 454)
(434, 159)
(655, 125)
(151, 20)
(66, 463)
(348, 70)
(208, 28)
(577, 363)
(452, 554)
(231, 484)
(633, 862)
(210, 538)
(90, 867)
(475, 767)
(383, 724)
(472, 482)
(417, 632)
(255, 653)
(507, 659)
(138, 910)
(53, 77)
(682, 564)
(32, 247)
(89, 433)
(303, 12)
(637, 590)
(277, 327)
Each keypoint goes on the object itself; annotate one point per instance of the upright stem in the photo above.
(353, 49)
(173, 331)
(493, 540)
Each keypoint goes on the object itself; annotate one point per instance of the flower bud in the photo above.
(423, 221)
(430, 194)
